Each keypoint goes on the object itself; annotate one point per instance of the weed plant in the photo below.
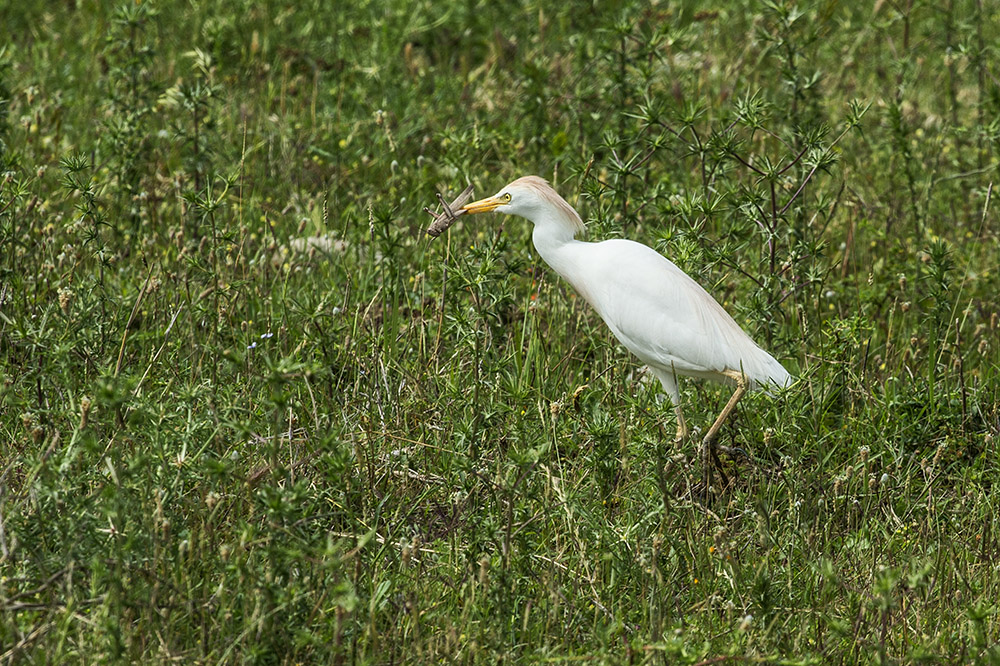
(250, 414)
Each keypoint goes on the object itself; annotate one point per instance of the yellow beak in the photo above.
(483, 205)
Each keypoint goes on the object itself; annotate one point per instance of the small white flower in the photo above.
(265, 336)
(252, 345)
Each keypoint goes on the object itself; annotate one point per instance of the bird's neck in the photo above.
(554, 243)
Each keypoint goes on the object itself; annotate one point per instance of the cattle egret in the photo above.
(655, 309)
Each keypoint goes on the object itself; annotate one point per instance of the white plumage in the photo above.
(654, 309)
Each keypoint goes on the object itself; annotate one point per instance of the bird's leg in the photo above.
(682, 428)
(708, 443)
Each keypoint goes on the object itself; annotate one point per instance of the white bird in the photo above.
(655, 309)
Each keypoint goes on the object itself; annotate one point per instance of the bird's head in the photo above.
(532, 198)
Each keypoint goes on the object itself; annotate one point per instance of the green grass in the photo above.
(223, 443)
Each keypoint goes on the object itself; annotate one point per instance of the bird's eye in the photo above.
(506, 196)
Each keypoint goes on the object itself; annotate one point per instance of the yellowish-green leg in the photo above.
(682, 428)
(709, 455)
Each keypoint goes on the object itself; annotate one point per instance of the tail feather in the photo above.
(766, 373)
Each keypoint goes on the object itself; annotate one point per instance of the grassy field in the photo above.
(251, 414)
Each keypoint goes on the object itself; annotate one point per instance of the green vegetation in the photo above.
(250, 414)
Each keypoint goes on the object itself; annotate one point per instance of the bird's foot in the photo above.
(711, 463)
(734, 451)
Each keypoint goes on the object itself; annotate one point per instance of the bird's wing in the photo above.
(666, 318)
